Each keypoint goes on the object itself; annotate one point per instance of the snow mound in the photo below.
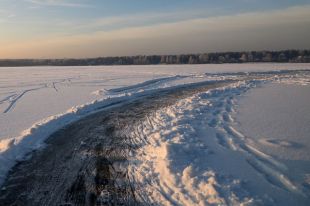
(192, 153)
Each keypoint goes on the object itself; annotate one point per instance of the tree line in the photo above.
(294, 56)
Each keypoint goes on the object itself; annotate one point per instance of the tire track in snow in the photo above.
(15, 100)
(7, 98)
(146, 84)
(85, 163)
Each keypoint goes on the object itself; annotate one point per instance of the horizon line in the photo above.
(148, 55)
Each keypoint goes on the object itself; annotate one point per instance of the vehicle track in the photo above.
(85, 162)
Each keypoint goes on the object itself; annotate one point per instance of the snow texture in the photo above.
(197, 152)
(194, 154)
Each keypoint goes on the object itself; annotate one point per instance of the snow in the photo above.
(31, 94)
(195, 153)
(276, 117)
(195, 148)
(181, 162)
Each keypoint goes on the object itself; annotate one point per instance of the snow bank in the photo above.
(173, 165)
(17, 148)
(192, 153)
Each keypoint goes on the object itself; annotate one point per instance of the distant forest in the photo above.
(294, 56)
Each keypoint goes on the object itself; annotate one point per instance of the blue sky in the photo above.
(58, 28)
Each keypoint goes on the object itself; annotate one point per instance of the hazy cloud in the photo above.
(64, 3)
(5, 15)
(281, 29)
(141, 19)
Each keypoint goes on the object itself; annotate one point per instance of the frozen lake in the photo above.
(277, 118)
(31, 94)
(244, 142)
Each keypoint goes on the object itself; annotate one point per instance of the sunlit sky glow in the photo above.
(91, 28)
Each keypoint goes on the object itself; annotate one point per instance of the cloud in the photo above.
(63, 3)
(11, 15)
(280, 29)
(5, 15)
(136, 20)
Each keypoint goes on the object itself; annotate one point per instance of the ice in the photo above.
(216, 147)
(31, 94)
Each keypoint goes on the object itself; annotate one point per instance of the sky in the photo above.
(95, 28)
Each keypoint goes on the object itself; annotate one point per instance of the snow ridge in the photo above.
(192, 154)
(171, 160)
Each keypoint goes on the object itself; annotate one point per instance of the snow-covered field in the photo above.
(245, 143)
